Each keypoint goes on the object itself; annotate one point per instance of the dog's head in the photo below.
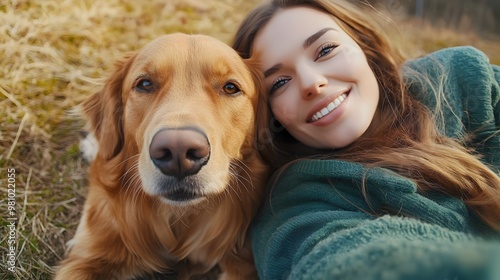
(181, 111)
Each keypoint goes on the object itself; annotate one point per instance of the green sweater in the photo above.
(316, 224)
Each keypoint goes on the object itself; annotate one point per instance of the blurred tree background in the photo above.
(478, 16)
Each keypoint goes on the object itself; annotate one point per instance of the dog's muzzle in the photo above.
(179, 153)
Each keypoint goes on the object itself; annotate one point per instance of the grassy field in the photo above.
(53, 54)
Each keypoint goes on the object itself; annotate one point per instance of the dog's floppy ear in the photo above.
(262, 111)
(253, 65)
(104, 110)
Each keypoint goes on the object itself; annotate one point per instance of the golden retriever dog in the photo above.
(176, 179)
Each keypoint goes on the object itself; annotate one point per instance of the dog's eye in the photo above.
(144, 86)
(231, 88)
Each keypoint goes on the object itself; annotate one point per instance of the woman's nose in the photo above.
(312, 82)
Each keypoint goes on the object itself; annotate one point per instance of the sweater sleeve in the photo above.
(317, 225)
(470, 105)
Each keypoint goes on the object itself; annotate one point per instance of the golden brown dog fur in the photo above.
(128, 227)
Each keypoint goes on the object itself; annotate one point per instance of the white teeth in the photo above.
(329, 108)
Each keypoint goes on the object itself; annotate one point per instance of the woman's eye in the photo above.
(325, 50)
(279, 83)
(144, 86)
(231, 88)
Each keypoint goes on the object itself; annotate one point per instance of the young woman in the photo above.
(386, 169)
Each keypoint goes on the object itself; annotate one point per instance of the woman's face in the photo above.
(320, 85)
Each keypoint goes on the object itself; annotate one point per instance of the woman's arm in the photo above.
(470, 105)
(316, 226)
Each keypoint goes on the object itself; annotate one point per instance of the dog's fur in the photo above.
(138, 219)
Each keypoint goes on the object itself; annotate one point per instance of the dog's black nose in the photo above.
(179, 152)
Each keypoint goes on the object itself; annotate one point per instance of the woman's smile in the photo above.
(326, 110)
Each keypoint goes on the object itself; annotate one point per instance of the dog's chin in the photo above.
(182, 197)
(176, 192)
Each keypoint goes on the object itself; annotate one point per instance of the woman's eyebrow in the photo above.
(316, 36)
(311, 39)
(275, 68)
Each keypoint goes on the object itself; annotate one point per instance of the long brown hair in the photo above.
(403, 136)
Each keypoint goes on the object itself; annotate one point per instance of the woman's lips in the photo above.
(328, 108)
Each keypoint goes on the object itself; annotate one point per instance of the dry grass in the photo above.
(52, 55)
(419, 38)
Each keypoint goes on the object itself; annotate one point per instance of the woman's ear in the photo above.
(104, 110)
